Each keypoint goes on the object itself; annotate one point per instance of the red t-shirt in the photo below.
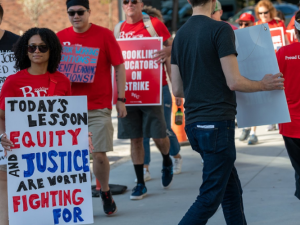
(289, 60)
(138, 30)
(274, 23)
(291, 31)
(23, 84)
(99, 93)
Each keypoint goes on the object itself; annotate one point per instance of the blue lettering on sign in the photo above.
(67, 49)
(67, 215)
(87, 51)
(30, 165)
(67, 159)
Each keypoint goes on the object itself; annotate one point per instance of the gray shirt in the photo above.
(197, 49)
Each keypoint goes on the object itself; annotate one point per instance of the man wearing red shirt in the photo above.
(99, 93)
(145, 121)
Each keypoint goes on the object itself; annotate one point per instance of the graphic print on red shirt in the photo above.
(138, 30)
(99, 93)
(288, 58)
(23, 84)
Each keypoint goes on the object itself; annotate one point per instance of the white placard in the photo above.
(256, 57)
(7, 63)
(48, 169)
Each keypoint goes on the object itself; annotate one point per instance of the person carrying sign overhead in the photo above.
(84, 34)
(38, 54)
(145, 121)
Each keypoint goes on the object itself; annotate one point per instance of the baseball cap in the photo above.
(247, 17)
(218, 6)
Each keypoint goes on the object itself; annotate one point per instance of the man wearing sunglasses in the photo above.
(99, 93)
(246, 20)
(145, 121)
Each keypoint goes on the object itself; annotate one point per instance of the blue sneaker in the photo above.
(138, 192)
(167, 176)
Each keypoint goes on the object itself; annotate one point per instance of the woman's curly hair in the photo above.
(50, 39)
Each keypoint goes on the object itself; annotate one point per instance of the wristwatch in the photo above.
(122, 99)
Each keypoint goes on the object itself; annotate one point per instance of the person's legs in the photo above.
(216, 146)
(253, 138)
(293, 148)
(147, 157)
(174, 144)
(102, 129)
(232, 204)
(101, 169)
(137, 157)
(3, 202)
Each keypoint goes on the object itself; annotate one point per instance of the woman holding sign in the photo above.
(38, 54)
(288, 61)
(266, 13)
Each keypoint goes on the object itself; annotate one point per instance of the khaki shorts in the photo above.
(100, 125)
(3, 167)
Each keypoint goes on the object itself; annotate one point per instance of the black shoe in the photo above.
(245, 134)
(109, 205)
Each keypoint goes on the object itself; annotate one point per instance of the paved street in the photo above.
(264, 169)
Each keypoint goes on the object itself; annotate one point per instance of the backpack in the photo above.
(147, 22)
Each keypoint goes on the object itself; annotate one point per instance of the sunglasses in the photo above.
(42, 48)
(79, 12)
(246, 24)
(260, 13)
(125, 2)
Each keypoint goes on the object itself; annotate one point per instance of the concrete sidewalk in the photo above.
(264, 169)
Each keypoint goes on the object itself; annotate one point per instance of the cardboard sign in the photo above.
(256, 58)
(48, 171)
(143, 74)
(278, 39)
(7, 63)
(79, 63)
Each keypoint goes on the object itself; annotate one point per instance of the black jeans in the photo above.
(214, 141)
(293, 148)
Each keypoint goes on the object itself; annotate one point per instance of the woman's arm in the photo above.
(6, 144)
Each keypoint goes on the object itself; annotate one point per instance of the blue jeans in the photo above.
(221, 184)
(174, 144)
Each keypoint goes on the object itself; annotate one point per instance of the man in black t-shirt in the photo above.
(205, 72)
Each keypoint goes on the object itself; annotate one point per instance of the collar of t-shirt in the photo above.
(84, 34)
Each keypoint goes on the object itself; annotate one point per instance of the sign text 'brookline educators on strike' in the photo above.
(79, 63)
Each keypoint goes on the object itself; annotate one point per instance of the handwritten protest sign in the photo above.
(48, 168)
(143, 74)
(79, 63)
(277, 37)
(7, 63)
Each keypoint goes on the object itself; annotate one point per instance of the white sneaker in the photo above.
(147, 176)
(177, 165)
